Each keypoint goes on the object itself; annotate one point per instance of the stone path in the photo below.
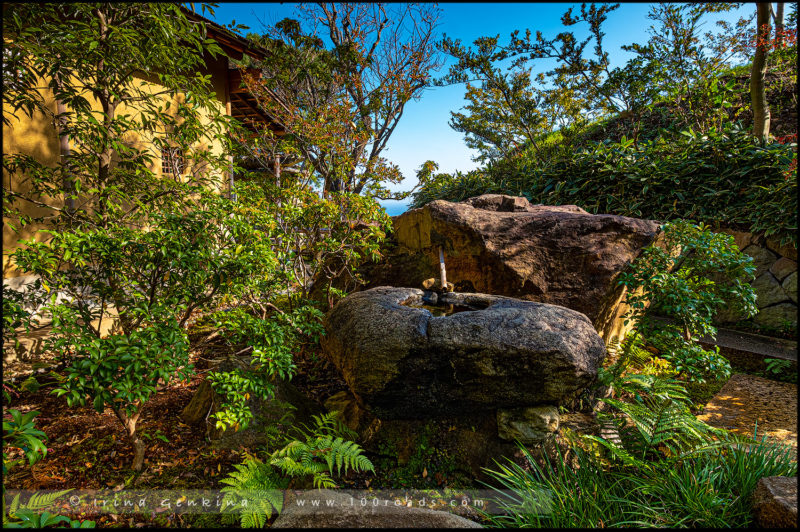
(747, 399)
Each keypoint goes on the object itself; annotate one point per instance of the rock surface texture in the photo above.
(503, 245)
(340, 510)
(401, 362)
(775, 283)
(775, 502)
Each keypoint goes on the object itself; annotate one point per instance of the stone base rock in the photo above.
(527, 425)
(775, 502)
(344, 512)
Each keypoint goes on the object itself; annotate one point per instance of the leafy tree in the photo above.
(130, 247)
(508, 111)
(684, 65)
(89, 57)
(339, 103)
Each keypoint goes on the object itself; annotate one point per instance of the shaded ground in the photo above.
(747, 401)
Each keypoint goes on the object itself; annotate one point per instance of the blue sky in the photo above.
(423, 132)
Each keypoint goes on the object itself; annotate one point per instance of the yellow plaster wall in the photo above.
(37, 137)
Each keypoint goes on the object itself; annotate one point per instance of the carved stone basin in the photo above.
(402, 362)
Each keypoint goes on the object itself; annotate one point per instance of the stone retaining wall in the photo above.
(775, 283)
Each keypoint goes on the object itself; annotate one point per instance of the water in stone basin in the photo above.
(441, 310)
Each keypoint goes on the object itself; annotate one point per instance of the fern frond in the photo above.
(254, 519)
(323, 481)
(254, 482)
(654, 386)
(43, 500)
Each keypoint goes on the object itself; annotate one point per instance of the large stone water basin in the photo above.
(402, 362)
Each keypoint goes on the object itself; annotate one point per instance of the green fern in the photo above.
(653, 386)
(26, 515)
(323, 450)
(254, 482)
(629, 354)
(319, 452)
(319, 456)
(43, 500)
(658, 419)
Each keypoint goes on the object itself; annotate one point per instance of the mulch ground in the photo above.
(87, 450)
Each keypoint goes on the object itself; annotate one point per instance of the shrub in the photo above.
(151, 280)
(665, 469)
(687, 277)
(721, 178)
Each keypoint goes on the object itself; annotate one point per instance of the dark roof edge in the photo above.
(225, 37)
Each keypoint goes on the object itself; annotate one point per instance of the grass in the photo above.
(709, 489)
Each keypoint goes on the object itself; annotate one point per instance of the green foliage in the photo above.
(708, 484)
(780, 369)
(26, 515)
(656, 421)
(125, 246)
(687, 277)
(86, 54)
(274, 341)
(510, 108)
(319, 452)
(20, 432)
(722, 178)
(556, 495)
(123, 371)
(258, 484)
(14, 314)
(321, 240)
(690, 359)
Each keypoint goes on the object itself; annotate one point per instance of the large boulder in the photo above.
(503, 245)
(402, 362)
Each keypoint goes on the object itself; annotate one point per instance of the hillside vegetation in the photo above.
(678, 151)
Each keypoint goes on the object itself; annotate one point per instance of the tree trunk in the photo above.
(129, 422)
(758, 97)
(779, 28)
(138, 457)
(67, 184)
(138, 444)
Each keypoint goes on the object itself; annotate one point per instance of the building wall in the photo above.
(38, 138)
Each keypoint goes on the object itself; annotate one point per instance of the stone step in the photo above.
(766, 346)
